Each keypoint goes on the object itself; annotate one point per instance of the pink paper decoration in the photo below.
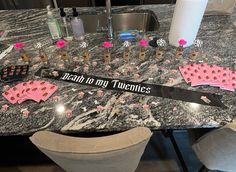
(61, 43)
(107, 44)
(36, 90)
(19, 45)
(212, 75)
(143, 42)
(182, 42)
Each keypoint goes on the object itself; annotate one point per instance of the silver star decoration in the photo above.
(38, 45)
(126, 44)
(83, 45)
(161, 42)
(198, 43)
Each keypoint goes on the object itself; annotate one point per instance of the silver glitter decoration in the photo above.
(198, 43)
(38, 45)
(161, 42)
(126, 44)
(83, 45)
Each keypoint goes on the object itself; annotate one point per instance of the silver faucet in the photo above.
(109, 19)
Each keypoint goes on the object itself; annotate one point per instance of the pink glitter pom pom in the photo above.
(107, 44)
(143, 42)
(182, 42)
(61, 43)
(19, 45)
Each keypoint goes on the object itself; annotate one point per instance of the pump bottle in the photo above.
(53, 25)
(77, 26)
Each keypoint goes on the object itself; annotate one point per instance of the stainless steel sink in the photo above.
(142, 21)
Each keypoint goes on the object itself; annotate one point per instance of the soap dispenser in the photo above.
(186, 21)
(53, 25)
(77, 26)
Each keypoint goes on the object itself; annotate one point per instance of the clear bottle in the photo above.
(53, 25)
(65, 25)
(77, 26)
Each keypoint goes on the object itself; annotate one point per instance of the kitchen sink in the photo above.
(142, 21)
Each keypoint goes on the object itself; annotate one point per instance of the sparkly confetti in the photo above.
(61, 66)
(56, 98)
(167, 61)
(146, 107)
(25, 113)
(116, 74)
(155, 103)
(100, 93)
(4, 108)
(55, 73)
(73, 89)
(86, 69)
(94, 64)
(120, 100)
(90, 92)
(84, 109)
(96, 102)
(75, 58)
(6, 88)
(107, 67)
(171, 80)
(68, 113)
(81, 94)
(174, 71)
(136, 76)
(100, 108)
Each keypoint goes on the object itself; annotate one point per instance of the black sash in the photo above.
(134, 87)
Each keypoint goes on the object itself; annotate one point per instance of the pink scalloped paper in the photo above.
(19, 45)
(143, 42)
(61, 43)
(182, 42)
(107, 44)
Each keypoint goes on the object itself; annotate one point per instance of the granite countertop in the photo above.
(123, 110)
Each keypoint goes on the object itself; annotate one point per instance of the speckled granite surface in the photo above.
(122, 110)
